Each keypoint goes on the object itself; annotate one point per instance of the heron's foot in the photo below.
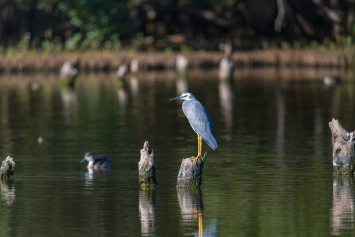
(195, 158)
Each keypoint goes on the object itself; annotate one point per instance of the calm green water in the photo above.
(271, 175)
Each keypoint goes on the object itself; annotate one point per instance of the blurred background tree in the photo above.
(158, 24)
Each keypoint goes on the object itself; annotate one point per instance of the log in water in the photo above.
(190, 173)
(147, 168)
(343, 148)
(7, 169)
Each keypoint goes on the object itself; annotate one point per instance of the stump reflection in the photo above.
(147, 212)
(7, 190)
(342, 213)
(191, 207)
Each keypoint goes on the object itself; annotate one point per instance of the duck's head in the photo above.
(89, 156)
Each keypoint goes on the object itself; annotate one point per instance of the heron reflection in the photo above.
(191, 207)
(342, 212)
(147, 211)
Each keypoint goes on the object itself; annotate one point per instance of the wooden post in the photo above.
(343, 148)
(147, 169)
(190, 173)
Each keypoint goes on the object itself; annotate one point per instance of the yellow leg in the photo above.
(200, 224)
(199, 148)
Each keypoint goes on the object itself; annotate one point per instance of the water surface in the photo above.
(270, 176)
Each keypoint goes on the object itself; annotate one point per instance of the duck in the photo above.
(96, 162)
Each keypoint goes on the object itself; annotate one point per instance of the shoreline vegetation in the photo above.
(276, 74)
(100, 36)
(109, 61)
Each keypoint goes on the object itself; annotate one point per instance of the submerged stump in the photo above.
(190, 173)
(343, 149)
(147, 168)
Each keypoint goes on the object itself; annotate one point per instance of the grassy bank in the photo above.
(34, 61)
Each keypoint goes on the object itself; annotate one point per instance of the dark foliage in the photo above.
(160, 23)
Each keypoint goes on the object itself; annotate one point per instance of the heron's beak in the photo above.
(83, 160)
(175, 98)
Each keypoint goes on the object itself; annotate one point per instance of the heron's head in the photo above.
(89, 156)
(185, 97)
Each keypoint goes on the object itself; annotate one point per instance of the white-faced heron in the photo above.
(199, 120)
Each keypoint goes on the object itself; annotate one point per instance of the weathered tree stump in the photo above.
(190, 173)
(343, 148)
(7, 169)
(146, 168)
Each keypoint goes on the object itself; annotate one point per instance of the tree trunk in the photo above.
(190, 173)
(343, 149)
(147, 169)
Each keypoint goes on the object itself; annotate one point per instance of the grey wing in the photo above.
(201, 122)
